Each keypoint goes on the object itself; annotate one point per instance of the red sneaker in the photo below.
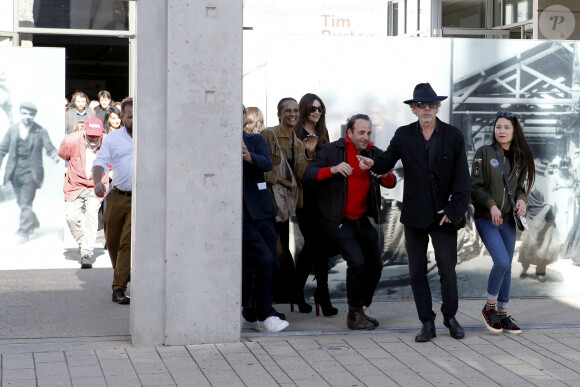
(491, 320)
(508, 325)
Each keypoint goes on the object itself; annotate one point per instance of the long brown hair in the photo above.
(519, 145)
(304, 111)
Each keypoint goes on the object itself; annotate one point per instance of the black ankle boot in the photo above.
(322, 299)
(303, 307)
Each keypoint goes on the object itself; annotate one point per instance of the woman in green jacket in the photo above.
(493, 211)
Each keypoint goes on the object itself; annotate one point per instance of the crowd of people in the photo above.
(333, 188)
(98, 150)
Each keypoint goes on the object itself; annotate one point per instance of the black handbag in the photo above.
(521, 222)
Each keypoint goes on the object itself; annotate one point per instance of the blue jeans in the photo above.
(500, 242)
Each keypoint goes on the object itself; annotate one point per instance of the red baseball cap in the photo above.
(94, 127)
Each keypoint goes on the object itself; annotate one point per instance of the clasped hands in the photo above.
(367, 163)
(496, 216)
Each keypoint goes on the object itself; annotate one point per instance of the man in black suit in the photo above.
(435, 198)
(258, 238)
(24, 143)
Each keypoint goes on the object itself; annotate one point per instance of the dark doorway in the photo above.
(92, 63)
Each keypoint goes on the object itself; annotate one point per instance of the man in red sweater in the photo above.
(347, 196)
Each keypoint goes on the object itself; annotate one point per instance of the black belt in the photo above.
(353, 221)
(126, 193)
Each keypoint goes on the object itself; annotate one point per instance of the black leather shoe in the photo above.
(455, 329)
(427, 332)
(120, 298)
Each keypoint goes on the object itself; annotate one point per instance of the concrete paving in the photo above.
(49, 350)
(538, 357)
(58, 327)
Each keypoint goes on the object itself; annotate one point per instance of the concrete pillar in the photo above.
(186, 276)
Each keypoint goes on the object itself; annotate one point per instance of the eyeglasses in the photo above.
(504, 114)
(423, 105)
(314, 109)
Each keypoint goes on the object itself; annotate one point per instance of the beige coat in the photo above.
(300, 161)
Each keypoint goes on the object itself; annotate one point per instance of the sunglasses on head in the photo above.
(423, 105)
(504, 114)
(314, 109)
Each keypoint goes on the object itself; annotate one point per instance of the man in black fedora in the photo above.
(435, 198)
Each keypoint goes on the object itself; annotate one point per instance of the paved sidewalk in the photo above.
(538, 357)
(58, 327)
(314, 351)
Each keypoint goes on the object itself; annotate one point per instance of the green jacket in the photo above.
(487, 183)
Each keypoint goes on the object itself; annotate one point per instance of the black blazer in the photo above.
(450, 180)
(39, 140)
(258, 204)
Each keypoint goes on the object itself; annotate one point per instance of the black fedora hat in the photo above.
(424, 93)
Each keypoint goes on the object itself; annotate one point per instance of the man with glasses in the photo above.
(79, 150)
(436, 196)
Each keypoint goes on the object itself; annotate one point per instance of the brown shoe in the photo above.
(372, 320)
(356, 319)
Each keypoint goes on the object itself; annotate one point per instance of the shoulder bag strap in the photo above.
(507, 183)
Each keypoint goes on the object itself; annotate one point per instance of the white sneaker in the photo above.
(272, 324)
(250, 325)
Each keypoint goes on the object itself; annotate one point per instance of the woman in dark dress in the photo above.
(317, 247)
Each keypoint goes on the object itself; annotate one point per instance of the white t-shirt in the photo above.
(91, 155)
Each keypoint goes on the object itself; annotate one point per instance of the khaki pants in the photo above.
(82, 216)
(117, 221)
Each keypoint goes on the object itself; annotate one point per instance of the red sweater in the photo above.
(358, 183)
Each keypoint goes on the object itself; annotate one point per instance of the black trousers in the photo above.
(25, 189)
(258, 255)
(317, 250)
(357, 241)
(284, 279)
(445, 246)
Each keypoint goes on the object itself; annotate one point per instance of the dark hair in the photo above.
(521, 149)
(304, 111)
(103, 94)
(79, 94)
(282, 103)
(351, 120)
(110, 110)
(126, 102)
